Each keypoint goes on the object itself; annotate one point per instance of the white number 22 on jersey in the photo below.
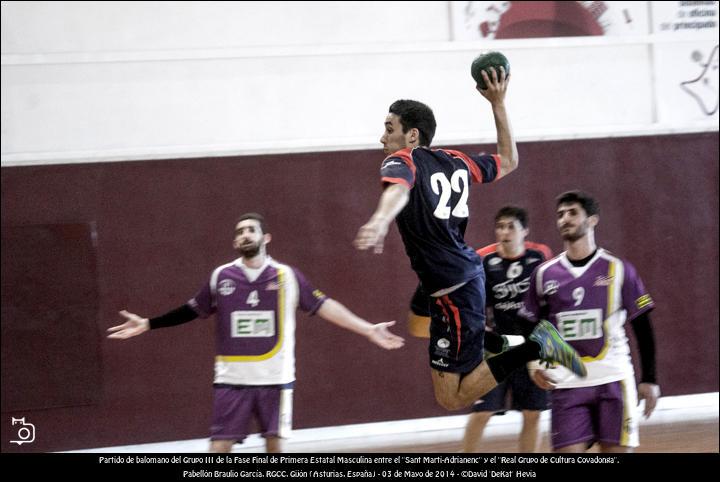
(444, 187)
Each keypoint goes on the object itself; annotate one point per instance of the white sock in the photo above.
(514, 340)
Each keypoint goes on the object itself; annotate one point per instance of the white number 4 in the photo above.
(253, 299)
(444, 187)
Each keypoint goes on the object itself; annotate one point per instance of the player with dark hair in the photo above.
(254, 299)
(426, 192)
(589, 294)
(508, 264)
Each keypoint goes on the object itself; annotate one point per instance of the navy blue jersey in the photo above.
(506, 281)
(433, 223)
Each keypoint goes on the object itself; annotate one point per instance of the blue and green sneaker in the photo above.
(553, 349)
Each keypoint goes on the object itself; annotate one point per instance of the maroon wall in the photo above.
(160, 227)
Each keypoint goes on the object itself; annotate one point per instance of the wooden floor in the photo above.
(693, 437)
(680, 424)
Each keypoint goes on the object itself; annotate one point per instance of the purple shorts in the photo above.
(603, 413)
(235, 406)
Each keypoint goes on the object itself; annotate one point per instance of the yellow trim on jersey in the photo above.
(624, 430)
(643, 301)
(610, 309)
(281, 324)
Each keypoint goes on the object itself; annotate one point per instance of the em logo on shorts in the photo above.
(443, 343)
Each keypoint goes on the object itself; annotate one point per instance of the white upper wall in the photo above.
(50, 27)
(98, 81)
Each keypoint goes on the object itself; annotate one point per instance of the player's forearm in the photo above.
(646, 346)
(506, 146)
(392, 201)
(336, 313)
(178, 316)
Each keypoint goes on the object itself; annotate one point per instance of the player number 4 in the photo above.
(253, 299)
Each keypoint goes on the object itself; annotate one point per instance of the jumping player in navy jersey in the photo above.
(508, 264)
(254, 299)
(426, 191)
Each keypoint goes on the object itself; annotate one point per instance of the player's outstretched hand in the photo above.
(134, 325)
(371, 235)
(382, 337)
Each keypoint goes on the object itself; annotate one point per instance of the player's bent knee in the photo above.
(451, 402)
(446, 391)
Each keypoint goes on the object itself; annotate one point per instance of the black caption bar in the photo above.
(496, 467)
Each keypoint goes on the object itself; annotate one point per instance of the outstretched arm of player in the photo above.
(134, 325)
(497, 85)
(334, 312)
(372, 234)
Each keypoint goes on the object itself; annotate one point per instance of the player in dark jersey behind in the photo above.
(426, 191)
(508, 264)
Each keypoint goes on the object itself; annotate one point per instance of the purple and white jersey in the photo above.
(589, 306)
(255, 320)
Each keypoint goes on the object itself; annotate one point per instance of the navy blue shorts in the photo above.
(457, 328)
(524, 393)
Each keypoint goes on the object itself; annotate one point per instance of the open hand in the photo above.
(134, 325)
(382, 337)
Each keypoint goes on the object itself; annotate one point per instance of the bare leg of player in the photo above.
(474, 431)
(274, 445)
(454, 393)
(221, 446)
(530, 431)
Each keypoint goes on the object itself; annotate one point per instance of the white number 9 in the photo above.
(578, 294)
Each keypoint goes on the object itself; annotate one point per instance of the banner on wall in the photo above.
(679, 18)
(686, 77)
(518, 20)
(685, 60)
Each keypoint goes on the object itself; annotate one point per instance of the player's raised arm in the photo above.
(497, 83)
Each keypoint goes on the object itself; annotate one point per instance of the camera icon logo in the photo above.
(25, 432)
